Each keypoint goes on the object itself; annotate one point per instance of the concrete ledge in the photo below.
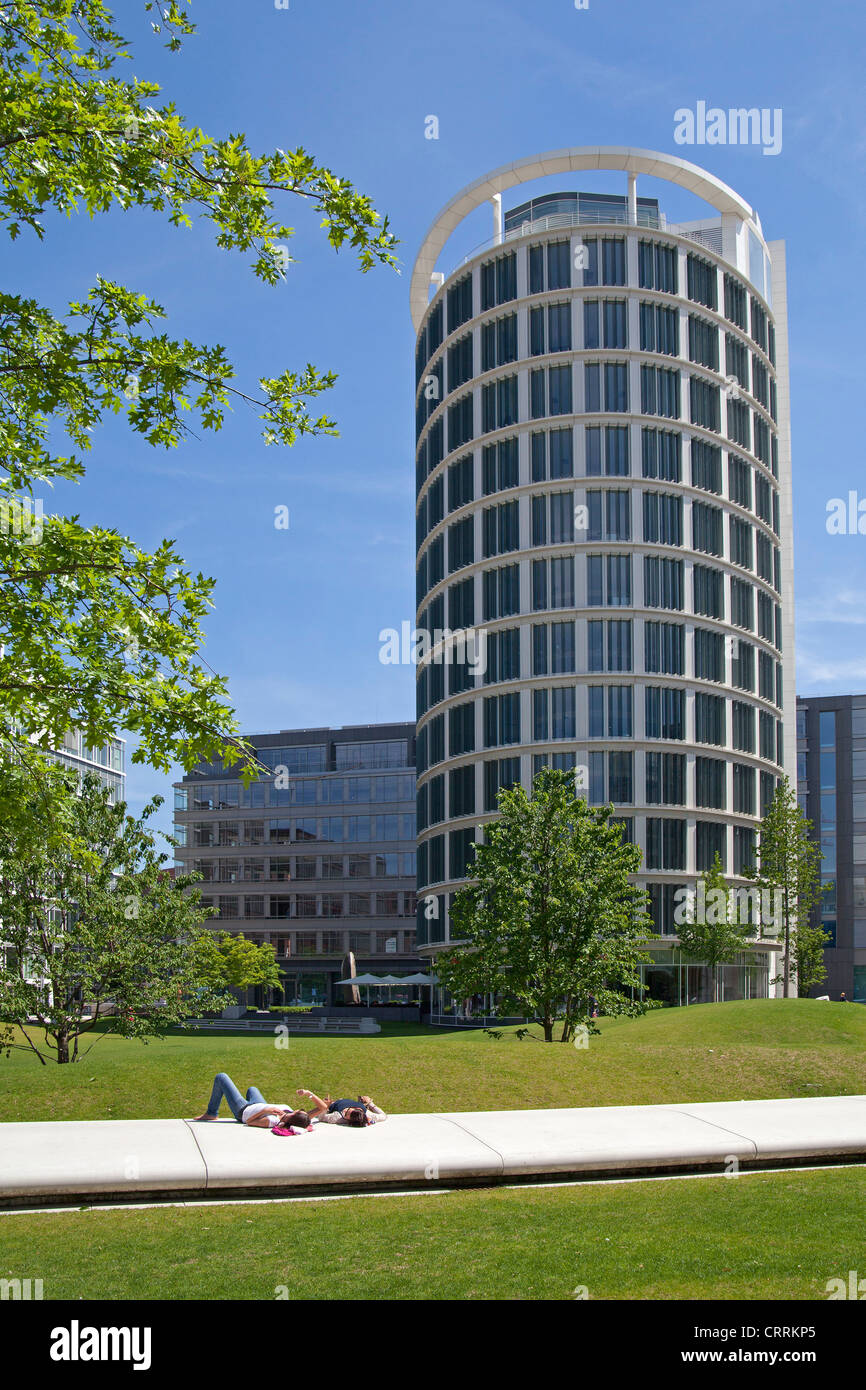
(129, 1160)
(98, 1156)
(824, 1126)
(414, 1149)
(617, 1137)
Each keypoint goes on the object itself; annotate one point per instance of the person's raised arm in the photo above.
(321, 1105)
(373, 1108)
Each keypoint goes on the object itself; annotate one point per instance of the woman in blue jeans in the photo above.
(254, 1110)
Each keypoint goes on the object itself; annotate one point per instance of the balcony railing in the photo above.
(711, 237)
(558, 221)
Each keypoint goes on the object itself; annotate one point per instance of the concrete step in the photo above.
(294, 1025)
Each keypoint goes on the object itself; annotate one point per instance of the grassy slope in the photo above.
(733, 1051)
(779, 1236)
(759, 1236)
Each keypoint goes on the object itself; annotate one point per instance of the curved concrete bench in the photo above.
(42, 1163)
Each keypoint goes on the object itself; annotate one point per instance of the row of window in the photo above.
(333, 829)
(610, 714)
(607, 452)
(394, 941)
(609, 778)
(303, 759)
(281, 868)
(608, 584)
(253, 906)
(595, 261)
(665, 849)
(309, 792)
(609, 649)
(109, 755)
(663, 900)
(606, 390)
(605, 325)
(606, 515)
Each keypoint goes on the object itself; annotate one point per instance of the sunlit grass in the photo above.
(735, 1051)
(757, 1236)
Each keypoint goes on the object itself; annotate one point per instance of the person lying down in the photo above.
(253, 1109)
(357, 1113)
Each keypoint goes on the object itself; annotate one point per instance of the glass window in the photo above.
(828, 771)
(391, 753)
(827, 729)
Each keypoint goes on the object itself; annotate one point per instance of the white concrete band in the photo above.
(611, 157)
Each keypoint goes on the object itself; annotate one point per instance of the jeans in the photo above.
(224, 1086)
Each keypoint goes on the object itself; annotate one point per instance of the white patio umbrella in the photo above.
(367, 980)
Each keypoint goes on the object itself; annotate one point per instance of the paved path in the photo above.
(124, 1160)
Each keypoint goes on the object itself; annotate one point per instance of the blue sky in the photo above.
(298, 612)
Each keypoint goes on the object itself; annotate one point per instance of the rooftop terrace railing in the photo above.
(711, 237)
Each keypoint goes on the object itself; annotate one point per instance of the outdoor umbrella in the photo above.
(367, 980)
(390, 981)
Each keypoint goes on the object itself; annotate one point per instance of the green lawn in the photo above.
(774, 1236)
(736, 1051)
(758, 1236)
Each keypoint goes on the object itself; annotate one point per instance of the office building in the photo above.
(831, 787)
(107, 762)
(317, 857)
(604, 499)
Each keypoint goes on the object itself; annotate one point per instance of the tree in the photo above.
(807, 956)
(226, 961)
(788, 869)
(550, 921)
(96, 633)
(90, 919)
(712, 930)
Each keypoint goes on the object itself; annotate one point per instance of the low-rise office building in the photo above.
(317, 857)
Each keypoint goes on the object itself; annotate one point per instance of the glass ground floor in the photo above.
(670, 978)
(673, 980)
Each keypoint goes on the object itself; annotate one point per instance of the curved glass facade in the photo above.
(599, 521)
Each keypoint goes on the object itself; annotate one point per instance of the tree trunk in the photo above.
(62, 1040)
(547, 1024)
(787, 984)
(567, 1026)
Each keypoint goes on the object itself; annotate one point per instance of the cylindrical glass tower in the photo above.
(603, 499)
